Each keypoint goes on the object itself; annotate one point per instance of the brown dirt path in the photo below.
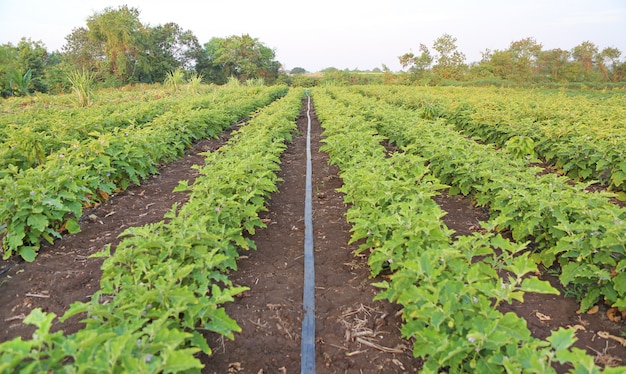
(353, 333)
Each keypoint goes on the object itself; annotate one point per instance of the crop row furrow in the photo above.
(449, 289)
(583, 232)
(31, 140)
(585, 138)
(42, 202)
(166, 282)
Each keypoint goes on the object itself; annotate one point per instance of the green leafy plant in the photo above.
(20, 83)
(521, 147)
(581, 135)
(255, 82)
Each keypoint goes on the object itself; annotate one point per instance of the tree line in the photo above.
(525, 61)
(116, 48)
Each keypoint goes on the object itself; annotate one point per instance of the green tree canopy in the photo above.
(552, 63)
(450, 62)
(115, 44)
(417, 63)
(584, 54)
(242, 57)
(84, 52)
(297, 70)
(23, 67)
(525, 53)
(121, 35)
(168, 48)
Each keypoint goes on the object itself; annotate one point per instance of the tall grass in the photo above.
(82, 85)
(255, 82)
(194, 82)
(233, 82)
(175, 78)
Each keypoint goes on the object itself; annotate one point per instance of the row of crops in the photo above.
(166, 282)
(44, 199)
(584, 136)
(450, 289)
(583, 232)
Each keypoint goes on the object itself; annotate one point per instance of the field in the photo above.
(458, 229)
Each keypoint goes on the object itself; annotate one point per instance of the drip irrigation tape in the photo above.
(9, 267)
(308, 299)
(4, 270)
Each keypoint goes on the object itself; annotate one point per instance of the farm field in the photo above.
(389, 204)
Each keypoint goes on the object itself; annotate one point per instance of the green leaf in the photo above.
(72, 226)
(74, 309)
(562, 338)
(582, 362)
(522, 265)
(15, 238)
(42, 320)
(182, 360)
(591, 297)
(182, 186)
(199, 341)
(28, 253)
(538, 286)
(222, 324)
(37, 221)
(16, 347)
(105, 253)
(618, 177)
(569, 272)
(619, 282)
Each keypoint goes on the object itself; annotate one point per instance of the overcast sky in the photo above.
(344, 34)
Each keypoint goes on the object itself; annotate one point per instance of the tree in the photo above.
(502, 64)
(8, 67)
(33, 57)
(619, 72)
(84, 52)
(57, 71)
(242, 57)
(584, 55)
(450, 63)
(552, 63)
(297, 70)
(120, 34)
(608, 60)
(524, 54)
(167, 48)
(23, 67)
(417, 64)
(117, 46)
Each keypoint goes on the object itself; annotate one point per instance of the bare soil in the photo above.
(353, 333)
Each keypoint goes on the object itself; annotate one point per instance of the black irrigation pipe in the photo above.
(10, 266)
(308, 299)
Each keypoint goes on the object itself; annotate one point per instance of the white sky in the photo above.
(349, 34)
